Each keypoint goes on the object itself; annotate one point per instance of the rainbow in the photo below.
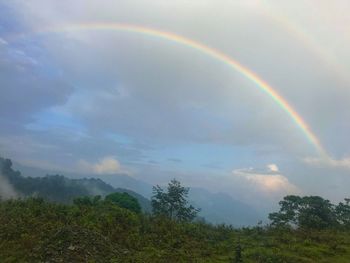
(213, 53)
(299, 33)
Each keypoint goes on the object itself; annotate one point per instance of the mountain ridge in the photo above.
(216, 208)
(59, 188)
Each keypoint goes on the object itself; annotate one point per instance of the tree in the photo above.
(316, 212)
(87, 201)
(343, 213)
(304, 212)
(288, 211)
(173, 203)
(124, 200)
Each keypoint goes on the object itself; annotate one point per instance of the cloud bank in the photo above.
(106, 165)
(269, 182)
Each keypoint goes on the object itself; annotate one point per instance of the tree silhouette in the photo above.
(173, 203)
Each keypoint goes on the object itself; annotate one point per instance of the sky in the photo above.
(80, 99)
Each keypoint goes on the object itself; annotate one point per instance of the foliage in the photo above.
(58, 188)
(95, 230)
(124, 200)
(311, 212)
(112, 229)
(173, 203)
(342, 211)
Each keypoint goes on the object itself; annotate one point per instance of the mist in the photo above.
(6, 189)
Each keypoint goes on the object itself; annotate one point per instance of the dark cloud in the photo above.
(25, 88)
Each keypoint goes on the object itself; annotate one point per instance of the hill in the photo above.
(51, 225)
(216, 208)
(58, 188)
(33, 230)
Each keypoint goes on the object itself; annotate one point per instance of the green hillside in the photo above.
(55, 219)
(58, 188)
(34, 230)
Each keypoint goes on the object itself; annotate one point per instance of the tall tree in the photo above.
(305, 212)
(173, 202)
(288, 213)
(343, 212)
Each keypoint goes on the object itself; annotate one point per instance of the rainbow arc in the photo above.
(209, 51)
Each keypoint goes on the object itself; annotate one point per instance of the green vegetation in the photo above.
(97, 230)
(58, 188)
(173, 203)
(124, 200)
(311, 212)
(112, 228)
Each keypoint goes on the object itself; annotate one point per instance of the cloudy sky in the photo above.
(113, 101)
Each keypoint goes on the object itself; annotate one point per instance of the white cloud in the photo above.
(267, 182)
(106, 165)
(273, 167)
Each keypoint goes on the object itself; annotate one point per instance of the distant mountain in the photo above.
(222, 208)
(116, 180)
(128, 182)
(215, 207)
(58, 188)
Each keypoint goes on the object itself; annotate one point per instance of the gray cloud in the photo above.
(25, 88)
(210, 103)
(159, 94)
(173, 81)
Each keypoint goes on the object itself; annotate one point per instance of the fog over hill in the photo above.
(57, 188)
(215, 207)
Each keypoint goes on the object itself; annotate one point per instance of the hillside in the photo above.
(34, 230)
(216, 208)
(67, 220)
(58, 188)
(220, 208)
